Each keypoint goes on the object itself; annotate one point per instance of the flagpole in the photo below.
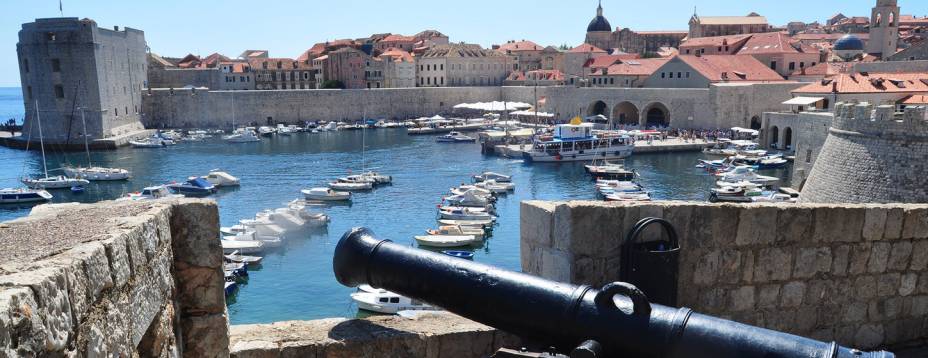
(60, 8)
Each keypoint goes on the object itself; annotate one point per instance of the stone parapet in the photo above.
(432, 335)
(112, 279)
(856, 274)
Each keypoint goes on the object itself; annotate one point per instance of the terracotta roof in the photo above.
(732, 20)
(397, 55)
(909, 20)
(773, 42)
(718, 68)
(826, 69)
(856, 20)
(460, 50)
(663, 32)
(732, 40)
(516, 46)
(870, 83)
(642, 67)
(237, 66)
(586, 48)
(826, 37)
(398, 38)
(608, 60)
(915, 99)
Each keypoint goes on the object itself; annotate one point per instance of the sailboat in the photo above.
(245, 136)
(56, 182)
(366, 176)
(93, 173)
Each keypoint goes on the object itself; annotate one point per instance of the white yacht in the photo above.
(55, 182)
(245, 136)
(383, 301)
(745, 173)
(151, 193)
(577, 142)
(499, 178)
(97, 173)
(351, 186)
(266, 131)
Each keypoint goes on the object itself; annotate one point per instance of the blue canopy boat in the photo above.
(195, 186)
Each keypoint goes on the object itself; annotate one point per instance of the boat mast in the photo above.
(233, 112)
(86, 141)
(38, 118)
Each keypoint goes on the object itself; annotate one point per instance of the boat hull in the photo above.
(587, 156)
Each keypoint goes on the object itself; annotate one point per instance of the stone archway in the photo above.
(597, 108)
(788, 138)
(756, 123)
(655, 115)
(625, 113)
(774, 137)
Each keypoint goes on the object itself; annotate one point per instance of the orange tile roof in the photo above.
(773, 42)
(586, 48)
(642, 67)
(398, 55)
(824, 69)
(609, 60)
(398, 38)
(870, 83)
(715, 41)
(517, 46)
(915, 99)
(733, 67)
(285, 64)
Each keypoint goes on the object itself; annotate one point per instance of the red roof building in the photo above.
(702, 71)
(627, 73)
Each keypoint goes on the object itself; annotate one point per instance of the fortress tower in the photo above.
(872, 156)
(884, 29)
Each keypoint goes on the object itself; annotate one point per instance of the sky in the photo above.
(287, 28)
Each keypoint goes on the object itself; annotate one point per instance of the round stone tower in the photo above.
(872, 156)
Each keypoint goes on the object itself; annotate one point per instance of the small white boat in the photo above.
(465, 188)
(55, 182)
(377, 177)
(151, 193)
(469, 198)
(476, 231)
(496, 186)
(266, 131)
(221, 179)
(349, 186)
(499, 178)
(23, 195)
(455, 137)
(745, 173)
(447, 236)
(633, 196)
(243, 259)
(382, 301)
(465, 214)
(97, 173)
(313, 219)
(357, 179)
(242, 247)
(155, 141)
(268, 241)
(284, 130)
(246, 136)
(482, 223)
(325, 194)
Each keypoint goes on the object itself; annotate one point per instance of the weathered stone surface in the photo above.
(117, 253)
(916, 224)
(879, 257)
(894, 222)
(159, 340)
(792, 294)
(812, 261)
(195, 229)
(919, 255)
(869, 335)
(865, 287)
(860, 256)
(205, 336)
(899, 256)
(556, 265)
(875, 223)
(855, 312)
(908, 284)
(730, 267)
(536, 223)
(707, 268)
(840, 260)
(768, 296)
(888, 284)
(773, 264)
(22, 329)
(754, 226)
(50, 288)
(837, 224)
(794, 225)
(742, 299)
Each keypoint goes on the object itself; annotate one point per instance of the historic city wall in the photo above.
(806, 132)
(180, 78)
(143, 279)
(855, 274)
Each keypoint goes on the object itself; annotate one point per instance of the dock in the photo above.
(641, 147)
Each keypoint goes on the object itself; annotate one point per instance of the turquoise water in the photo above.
(11, 104)
(298, 283)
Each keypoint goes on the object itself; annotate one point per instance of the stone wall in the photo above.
(808, 131)
(143, 279)
(432, 335)
(855, 274)
(180, 78)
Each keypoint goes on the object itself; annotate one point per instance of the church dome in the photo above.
(599, 23)
(849, 43)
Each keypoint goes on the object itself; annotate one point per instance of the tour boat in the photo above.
(465, 214)
(221, 179)
(241, 247)
(495, 186)
(23, 195)
(194, 186)
(467, 255)
(745, 173)
(383, 301)
(55, 182)
(151, 193)
(577, 142)
(246, 136)
(455, 137)
(97, 173)
(349, 186)
(499, 178)
(326, 194)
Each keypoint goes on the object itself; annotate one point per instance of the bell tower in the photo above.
(884, 29)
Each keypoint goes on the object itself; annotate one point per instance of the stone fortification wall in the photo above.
(434, 335)
(681, 104)
(737, 105)
(143, 279)
(872, 155)
(856, 274)
(808, 131)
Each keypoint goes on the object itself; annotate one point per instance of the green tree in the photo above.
(333, 84)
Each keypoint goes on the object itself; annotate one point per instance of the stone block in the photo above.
(824, 335)
(869, 336)
(730, 271)
(805, 320)
(712, 300)
(747, 266)
(840, 260)
(195, 234)
(819, 292)
(919, 306)
(742, 299)
(707, 268)
(199, 289)
(256, 349)
(899, 256)
(725, 225)
(589, 270)
(812, 261)
(837, 224)
(50, 289)
(879, 257)
(830, 315)
(874, 223)
(792, 294)
(919, 255)
(855, 312)
(22, 328)
(205, 336)
(922, 283)
(888, 284)
(595, 230)
(537, 223)
(117, 253)
(908, 284)
(916, 224)
(865, 287)
(754, 226)
(895, 218)
(794, 224)
(773, 264)
(860, 256)
(768, 296)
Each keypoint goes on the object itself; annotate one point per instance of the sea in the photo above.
(297, 282)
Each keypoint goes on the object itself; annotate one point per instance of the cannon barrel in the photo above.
(616, 320)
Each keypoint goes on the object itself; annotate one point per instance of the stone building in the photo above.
(281, 73)
(880, 88)
(235, 76)
(346, 65)
(576, 59)
(458, 65)
(70, 63)
(373, 72)
(599, 33)
(884, 29)
(894, 146)
(627, 73)
(702, 71)
(399, 68)
(708, 26)
(917, 52)
(527, 54)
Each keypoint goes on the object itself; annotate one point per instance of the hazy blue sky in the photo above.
(287, 28)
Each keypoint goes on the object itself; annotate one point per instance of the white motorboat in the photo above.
(284, 130)
(155, 141)
(469, 199)
(377, 177)
(476, 231)
(266, 131)
(23, 195)
(496, 186)
(465, 214)
(325, 194)
(447, 236)
(382, 301)
(268, 241)
(243, 259)
(313, 219)
(629, 196)
(471, 188)
(728, 147)
(242, 247)
(499, 178)
(151, 193)
(55, 182)
(577, 142)
(221, 179)
(351, 186)
(745, 173)
(608, 170)
(246, 136)
(97, 173)
(476, 222)
(489, 208)
(455, 137)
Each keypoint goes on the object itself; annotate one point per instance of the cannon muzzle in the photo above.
(613, 321)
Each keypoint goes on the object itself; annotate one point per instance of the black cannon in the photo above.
(615, 321)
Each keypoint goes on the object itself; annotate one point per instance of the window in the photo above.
(51, 36)
(384, 300)
(687, 52)
(679, 74)
(394, 300)
(773, 65)
(687, 74)
(792, 66)
(56, 65)
(59, 91)
(720, 48)
(116, 111)
(671, 75)
(809, 156)
(442, 67)
(663, 74)
(127, 110)
(25, 65)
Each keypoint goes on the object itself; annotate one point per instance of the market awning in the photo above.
(803, 101)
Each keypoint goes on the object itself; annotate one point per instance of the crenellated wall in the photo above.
(856, 274)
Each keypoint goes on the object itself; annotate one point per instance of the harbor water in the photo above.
(297, 282)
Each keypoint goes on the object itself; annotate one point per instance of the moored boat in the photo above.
(221, 179)
(23, 195)
(97, 173)
(577, 142)
(194, 186)
(54, 182)
(499, 178)
(349, 186)
(325, 194)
